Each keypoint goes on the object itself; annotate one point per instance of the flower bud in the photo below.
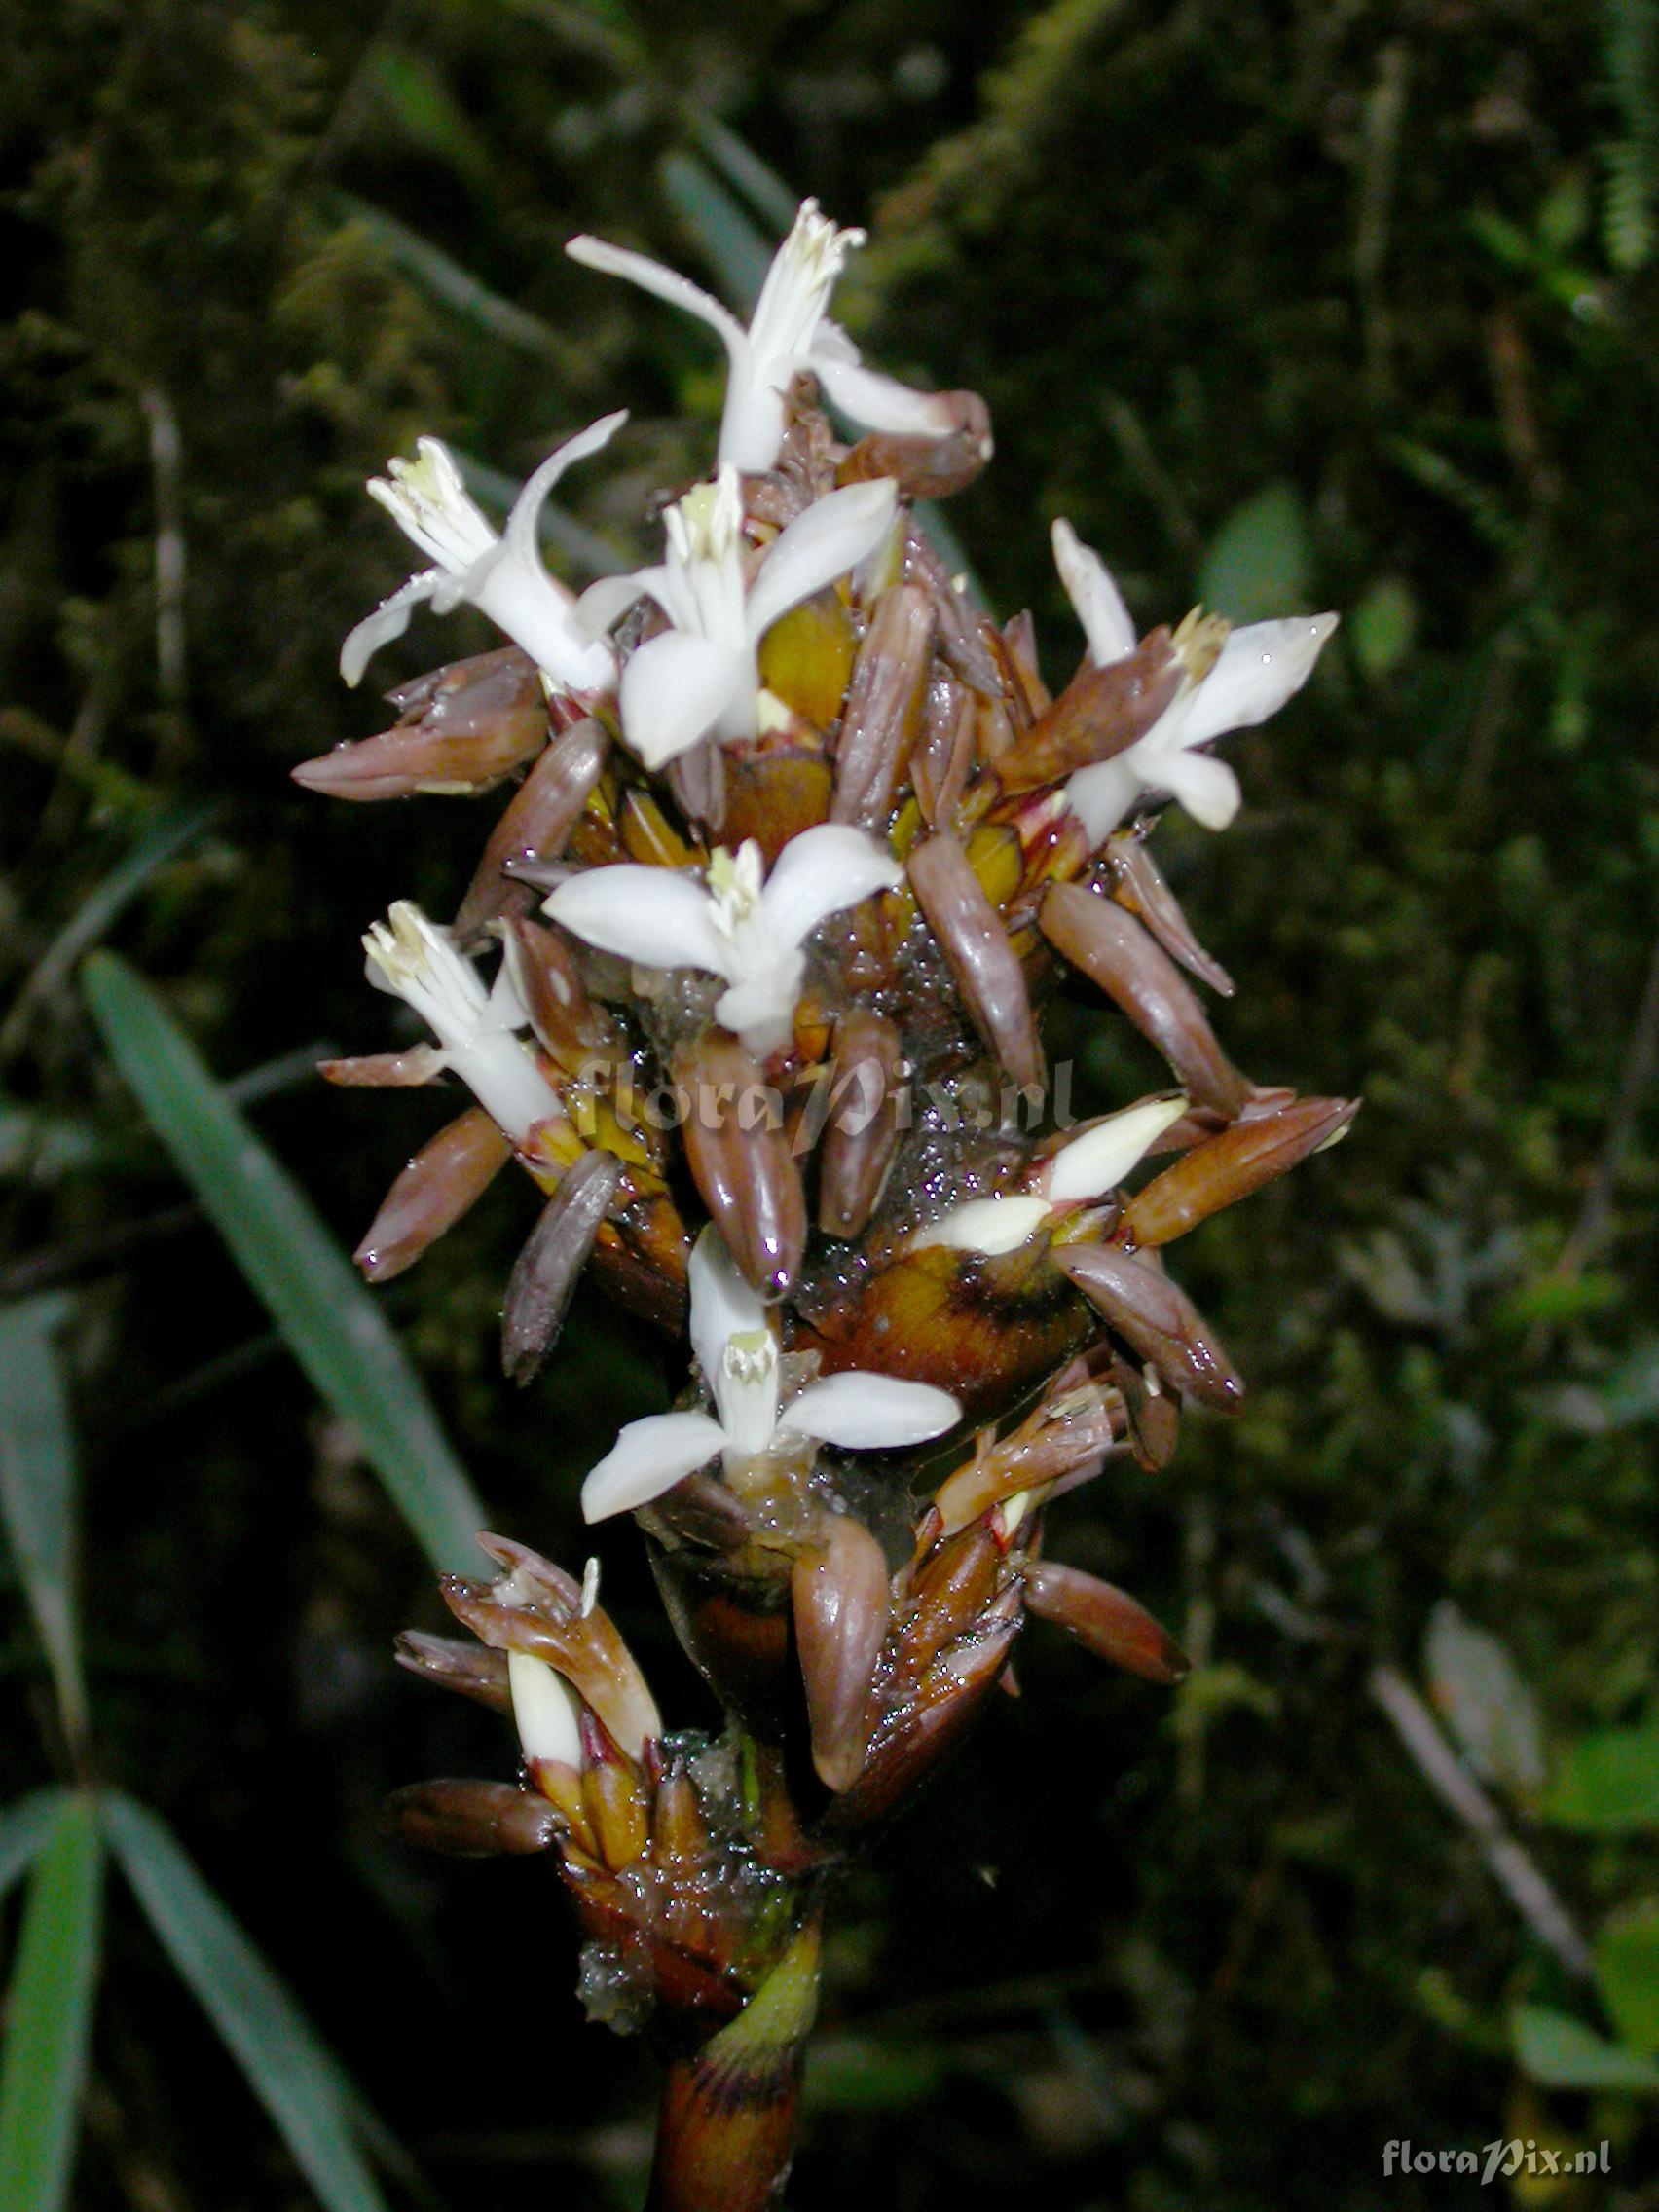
(536, 826)
(449, 1174)
(1112, 950)
(839, 1595)
(1102, 712)
(883, 705)
(976, 950)
(469, 1668)
(744, 1173)
(463, 728)
(1240, 1160)
(1105, 1620)
(927, 468)
(546, 1271)
(858, 1147)
(1157, 1319)
(1138, 886)
(473, 1819)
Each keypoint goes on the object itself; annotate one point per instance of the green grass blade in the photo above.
(37, 1490)
(168, 835)
(731, 243)
(452, 286)
(24, 1827)
(285, 2061)
(49, 2013)
(330, 1322)
(773, 203)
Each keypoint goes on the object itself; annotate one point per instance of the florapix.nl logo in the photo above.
(1496, 2162)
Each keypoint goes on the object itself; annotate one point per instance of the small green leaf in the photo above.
(37, 1490)
(1562, 2054)
(24, 1827)
(1608, 1782)
(332, 1325)
(1626, 1955)
(1382, 628)
(1260, 562)
(49, 2014)
(1484, 1702)
(285, 2061)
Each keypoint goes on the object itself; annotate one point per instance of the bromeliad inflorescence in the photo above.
(800, 847)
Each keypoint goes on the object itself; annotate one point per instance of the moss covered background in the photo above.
(1321, 303)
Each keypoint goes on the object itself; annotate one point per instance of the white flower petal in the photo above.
(760, 1009)
(831, 537)
(1101, 794)
(1106, 621)
(518, 595)
(1258, 669)
(665, 283)
(649, 914)
(866, 1412)
(985, 1225)
(1098, 1160)
(429, 500)
(723, 1305)
(422, 967)
(647, 1459)
(545, 1710)
(390, 619)
(1205, 787)
(876, 403)
(610, 598)
(674, 690)
(521, 532)
(819, 872)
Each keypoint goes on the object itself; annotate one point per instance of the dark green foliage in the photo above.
(1353, 300)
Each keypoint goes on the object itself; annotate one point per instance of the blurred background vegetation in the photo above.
(1316, 303)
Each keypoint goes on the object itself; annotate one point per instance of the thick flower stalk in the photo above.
(799, 849)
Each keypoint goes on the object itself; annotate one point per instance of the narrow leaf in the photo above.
(331, 1323)
(285, 2061)
(168, 835)
(49, 2013)
(24, 1827)
(732, 246)
(1563, 2054)
(453, 287)
(37, 1490)
(768, 195)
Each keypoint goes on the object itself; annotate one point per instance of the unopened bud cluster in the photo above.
(800, 843)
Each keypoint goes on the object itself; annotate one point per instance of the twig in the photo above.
(1452, 1783)
(167, 494)
(1641, 1055)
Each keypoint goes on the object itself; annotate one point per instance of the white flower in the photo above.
(703, 674)
(503, 577)
(1257, 668)
(738, 1356)
(1091, 1165)
(545, 1710)
(473, 1026)
(787, 332)
(747, 931)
